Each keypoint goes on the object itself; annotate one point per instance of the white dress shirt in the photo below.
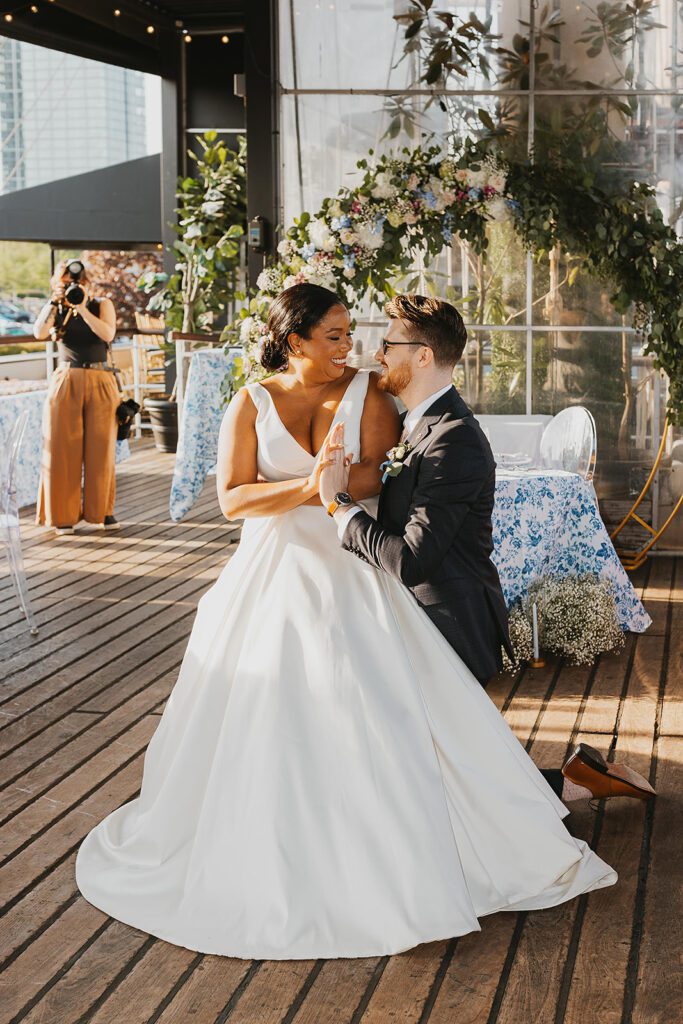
(412, 418)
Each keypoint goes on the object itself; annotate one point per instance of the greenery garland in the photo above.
(412, 205)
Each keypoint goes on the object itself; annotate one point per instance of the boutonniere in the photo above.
(395, 459)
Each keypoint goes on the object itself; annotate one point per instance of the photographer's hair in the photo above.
(297, 310)
(432, 321)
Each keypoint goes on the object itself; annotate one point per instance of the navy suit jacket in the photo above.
(433, 532)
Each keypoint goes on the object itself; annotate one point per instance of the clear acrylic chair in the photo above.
(10, 532)
(570, 442)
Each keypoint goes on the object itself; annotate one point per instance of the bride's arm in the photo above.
(380, 428)
(240, 493)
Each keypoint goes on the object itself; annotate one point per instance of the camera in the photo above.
(73, 293)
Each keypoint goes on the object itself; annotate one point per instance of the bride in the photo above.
(328, 779)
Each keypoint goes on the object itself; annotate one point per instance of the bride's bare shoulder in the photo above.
(379, 406)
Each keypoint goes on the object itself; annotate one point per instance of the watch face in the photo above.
(342, 498)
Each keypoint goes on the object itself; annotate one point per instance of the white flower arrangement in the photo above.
(350, 245)
(577, 617)
(577, 620)
(521, 639)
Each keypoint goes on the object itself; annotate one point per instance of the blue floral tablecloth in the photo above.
(28, 462)
(543, 522)
(199, 426)
(548, 521)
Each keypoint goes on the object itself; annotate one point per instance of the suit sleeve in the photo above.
(452, 473)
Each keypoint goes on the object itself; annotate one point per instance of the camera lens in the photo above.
(74, 294)
(75, 268)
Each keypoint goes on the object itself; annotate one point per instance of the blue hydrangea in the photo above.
(337, 223)
(307, 250)
(515, 207)
(474, 193)
(349, 261)
(427, 196)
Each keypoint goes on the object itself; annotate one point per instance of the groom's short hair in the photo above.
(432, 321)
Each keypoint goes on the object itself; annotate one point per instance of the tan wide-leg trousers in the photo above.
(79, 448)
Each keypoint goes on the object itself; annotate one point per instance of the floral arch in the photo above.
(412, 204)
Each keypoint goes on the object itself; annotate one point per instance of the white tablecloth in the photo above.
(544, 521)
(516, 434)
(28, 462)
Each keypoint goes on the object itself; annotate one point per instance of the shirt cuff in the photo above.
(342, 519)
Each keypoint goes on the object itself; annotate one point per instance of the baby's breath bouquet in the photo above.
(577, 617)
(521, 639)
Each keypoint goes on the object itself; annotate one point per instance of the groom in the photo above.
(433, 529)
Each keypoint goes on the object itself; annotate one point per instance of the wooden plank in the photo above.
(271, 992)
(206, 993)
(660, 979)
(469, 986)
(110, 573)
(599, 973)
(535, 976)
(19, 874)
(46, 900)
(133, 641)
(140, 993)
(69, 793)
(104, 624)
(405, 984)
(44, 553)
(77, 990)
(104, 730)
(337, 991)
(671, 723)
(45, 957)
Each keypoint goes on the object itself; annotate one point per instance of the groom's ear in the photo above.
(425, 356)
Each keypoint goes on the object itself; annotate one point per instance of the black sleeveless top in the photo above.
(80, 344)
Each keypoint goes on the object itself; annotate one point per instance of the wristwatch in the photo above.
(340, 499)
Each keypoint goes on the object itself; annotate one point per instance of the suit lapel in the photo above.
(450, 402)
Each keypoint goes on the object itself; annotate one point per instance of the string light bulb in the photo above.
(187, 37)
(150, 30)
(8, 17)
(225, 39)
(117, 12)
(34, 9)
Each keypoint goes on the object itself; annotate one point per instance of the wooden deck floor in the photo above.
(79, 704)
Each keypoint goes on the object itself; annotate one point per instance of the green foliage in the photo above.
(24, 268)
(211, 219)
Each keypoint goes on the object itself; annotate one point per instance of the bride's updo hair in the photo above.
(297, 310)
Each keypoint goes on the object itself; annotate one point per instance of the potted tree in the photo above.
(211, 220)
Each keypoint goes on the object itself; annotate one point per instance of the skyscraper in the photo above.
(62, 115)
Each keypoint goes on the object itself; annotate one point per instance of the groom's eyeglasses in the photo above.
(388, 344)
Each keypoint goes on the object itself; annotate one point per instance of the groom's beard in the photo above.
(397, 380)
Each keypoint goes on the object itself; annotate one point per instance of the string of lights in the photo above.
(148, 27)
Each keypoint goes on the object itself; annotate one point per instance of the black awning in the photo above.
(112, 207)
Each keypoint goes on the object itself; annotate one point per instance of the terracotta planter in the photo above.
(163, 415)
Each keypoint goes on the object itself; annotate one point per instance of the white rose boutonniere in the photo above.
(395, 459)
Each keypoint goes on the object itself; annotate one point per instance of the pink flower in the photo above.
(355, 206)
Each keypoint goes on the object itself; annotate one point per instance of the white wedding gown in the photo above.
(327, 779)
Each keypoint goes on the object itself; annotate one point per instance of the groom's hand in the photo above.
(335, 475)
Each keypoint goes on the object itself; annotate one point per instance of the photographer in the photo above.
(79, 421)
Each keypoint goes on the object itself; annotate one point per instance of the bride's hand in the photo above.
(335, 477)
(325, 460)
